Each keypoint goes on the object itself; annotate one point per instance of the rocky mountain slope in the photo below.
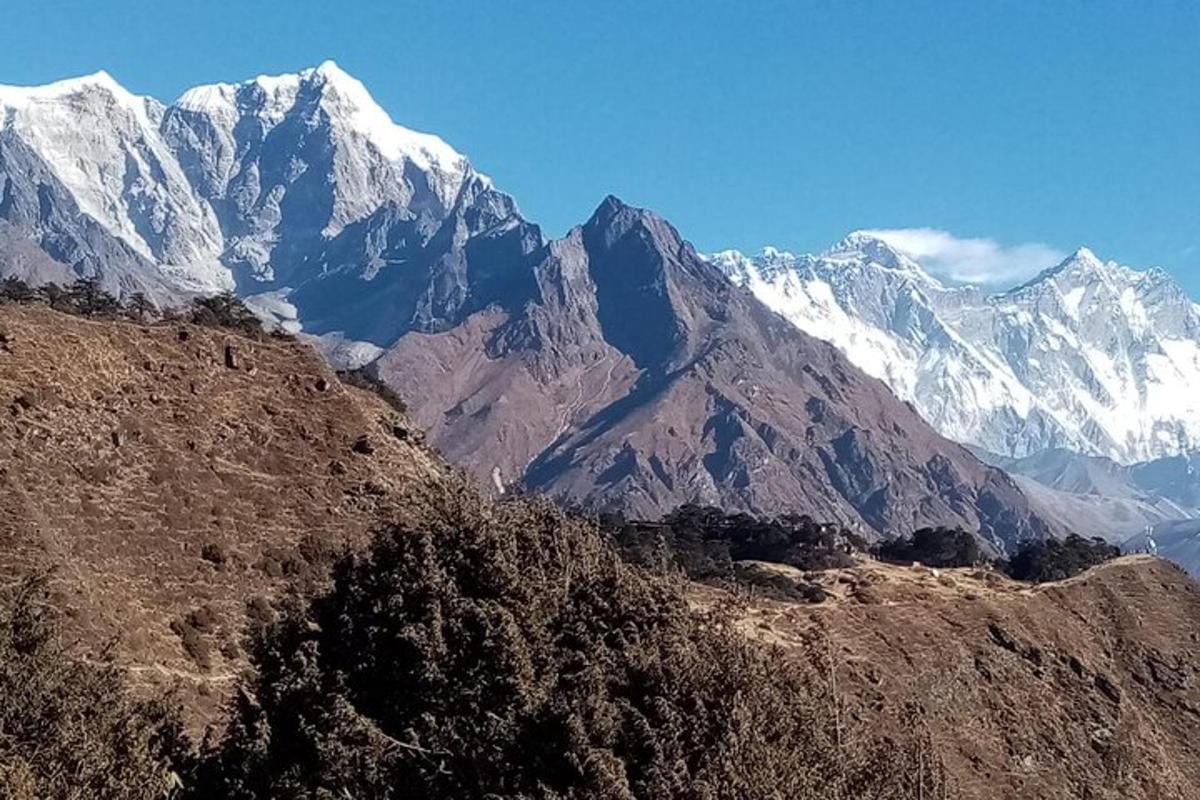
(187, 474)
(171, 477)
(633, 375)
(1089, 356)
(1085, 688)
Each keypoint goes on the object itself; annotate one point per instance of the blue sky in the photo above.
(1020, 124)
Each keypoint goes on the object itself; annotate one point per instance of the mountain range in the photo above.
(615, 367)
(1089, 356)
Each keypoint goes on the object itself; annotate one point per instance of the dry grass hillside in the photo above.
(172, 477)
(1088, 688)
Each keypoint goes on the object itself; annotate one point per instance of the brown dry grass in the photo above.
(154, 480)
(1088, 688)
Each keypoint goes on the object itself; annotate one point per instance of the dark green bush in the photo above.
(704, 542)
(933, 547)
(15, 290)
(226, 310)
(1055, 560)
(508, 652)
(86, 298)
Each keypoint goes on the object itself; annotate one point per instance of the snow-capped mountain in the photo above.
(1090, 356)
(86, 174)
(270, 185)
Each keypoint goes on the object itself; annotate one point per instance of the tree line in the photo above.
(87, 298)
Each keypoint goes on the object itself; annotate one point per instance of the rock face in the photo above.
(1090, 356)
(632, 375)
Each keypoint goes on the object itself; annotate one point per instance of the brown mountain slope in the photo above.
(176, 471)
(1089, 688)
(635, 376)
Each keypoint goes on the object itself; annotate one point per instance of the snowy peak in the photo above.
(15, 99)
(99, 144)
(344, 100)
(859, 254)
(347, 99)
(863, 246)
(243, 183)
(1084, 269)
(341, 146)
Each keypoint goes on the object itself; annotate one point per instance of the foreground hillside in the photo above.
(1088, 688)
(174, 478)
(170, 475)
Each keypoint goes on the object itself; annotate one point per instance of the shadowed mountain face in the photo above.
(634, 376)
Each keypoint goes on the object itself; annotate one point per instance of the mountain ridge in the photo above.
(299, 191)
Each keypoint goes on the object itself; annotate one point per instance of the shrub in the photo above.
(139, 307)
(225, 310)
(1055, 560)
(69, 729)
(56, 297)
(704, 542)
(933, 547)
(87, 299)
(15, 290)
(507, 651)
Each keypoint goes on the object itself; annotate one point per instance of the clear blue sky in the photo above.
(746, 123)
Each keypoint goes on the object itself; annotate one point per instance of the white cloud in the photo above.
(982, 261)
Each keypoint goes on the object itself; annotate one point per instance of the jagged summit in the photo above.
(15, 96)
(1081, 265)
(864, 243)
(609, 209)
(633, 376)
(342, 97)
